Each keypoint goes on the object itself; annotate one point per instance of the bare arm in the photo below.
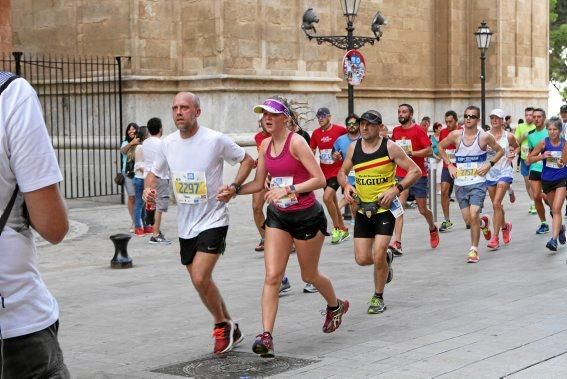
(48, 213)
(426, 152)
(130, 144)
(536, 155)
(402, 160)
(227, 192)
(495, 146)
(342, 176)
(451, 139)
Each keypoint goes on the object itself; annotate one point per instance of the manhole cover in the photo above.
(235, 365)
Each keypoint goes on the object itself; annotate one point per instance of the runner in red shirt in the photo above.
(446, 179)
(413, 139)
(258, 197)
(323, 138)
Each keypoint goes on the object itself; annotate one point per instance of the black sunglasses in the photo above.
(352, 123)
(469, 116)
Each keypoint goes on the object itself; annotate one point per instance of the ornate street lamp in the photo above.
(483, 35)
(348, 42)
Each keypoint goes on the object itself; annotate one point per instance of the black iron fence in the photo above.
(82, 105)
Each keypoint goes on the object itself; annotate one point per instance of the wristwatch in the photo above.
(236, 187)
(400, 187)
(491, 163)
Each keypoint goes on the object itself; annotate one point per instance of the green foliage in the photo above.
(558, 43)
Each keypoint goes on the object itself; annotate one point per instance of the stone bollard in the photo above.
(121, 258)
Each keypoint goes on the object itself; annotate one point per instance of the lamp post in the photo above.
(348, 42)
(483, 35)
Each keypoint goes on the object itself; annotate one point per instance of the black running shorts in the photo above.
(380, 223)
(548, 186)
(211, 241)
(333, 183)
(301, 225)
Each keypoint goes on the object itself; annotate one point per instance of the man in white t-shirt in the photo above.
(151, 148)
(194, 156)
(29, 314)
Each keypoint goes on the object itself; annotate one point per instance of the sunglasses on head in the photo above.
(470, 116)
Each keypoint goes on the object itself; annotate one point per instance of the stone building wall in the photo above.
(234, 53)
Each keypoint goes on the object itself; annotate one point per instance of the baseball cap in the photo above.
(272, 106)
(563, 108)
(498, 113)
(372, 116)
(323, 112)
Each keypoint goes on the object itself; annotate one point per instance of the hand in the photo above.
(135, 141)
(452, 170)
(149, 195)
(275, 194)
(350, 192)
(386, 198)
(337, 156)
(225, 193)
(484, 169)
(546, 154)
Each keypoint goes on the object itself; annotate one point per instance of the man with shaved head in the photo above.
(194, 156)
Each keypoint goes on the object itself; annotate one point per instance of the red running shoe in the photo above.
(224, 337)
(148, 229)
(264, 345)
(139, 232)
(434, 238)
(506, 237)
(334, 318)
(486, 230)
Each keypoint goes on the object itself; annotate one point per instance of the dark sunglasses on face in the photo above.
(351, 123)
(470, 116)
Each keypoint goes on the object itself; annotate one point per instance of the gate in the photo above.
(82, 106)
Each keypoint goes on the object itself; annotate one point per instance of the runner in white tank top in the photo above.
(499, 178)
(469, 173)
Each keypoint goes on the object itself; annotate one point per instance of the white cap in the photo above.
(498, 113)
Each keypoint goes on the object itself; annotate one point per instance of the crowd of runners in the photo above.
(371, 172)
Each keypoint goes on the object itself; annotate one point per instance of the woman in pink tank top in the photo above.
(293, 216)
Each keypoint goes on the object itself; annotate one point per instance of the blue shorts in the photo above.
(473, 194)
(504, 179)
(524, 168)
(446, 176)
(419, 189)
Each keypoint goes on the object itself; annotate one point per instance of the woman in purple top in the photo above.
(293, 216)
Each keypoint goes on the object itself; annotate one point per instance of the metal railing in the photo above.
(82, 106)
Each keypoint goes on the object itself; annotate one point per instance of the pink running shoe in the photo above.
(486, 230)
(506, 237)
(493, 244)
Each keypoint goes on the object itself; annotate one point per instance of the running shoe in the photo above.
(132, 229)
(139, 232)
(396, 248)
(334, 318)
(264, 345)
(159, 240)
(472, 257)
(376, 305)
(335, 236)
(260, 246)
(543, 228)
(486, 229)
(552, 244)
(434, 238)
(344, 235)
(493, 244)
(562, 238)
(532, 210)
(285, 286)
(506, 230)
(512, 195)
(446, 226)
(237, 336)
(224, 337)
(148, 229)
(309, 288)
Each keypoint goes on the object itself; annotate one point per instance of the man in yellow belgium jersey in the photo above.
(374, 159)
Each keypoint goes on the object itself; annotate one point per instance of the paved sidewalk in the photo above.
(506, 315)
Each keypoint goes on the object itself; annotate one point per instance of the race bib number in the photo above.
(467, 171)
(451, 155)
(326, 156)
(554, 160)
(396, 208)
(190, 187)
(280, 182)
(405, 144)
